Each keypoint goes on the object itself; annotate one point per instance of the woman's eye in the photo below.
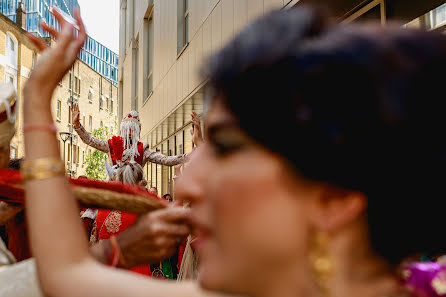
(227, 148)
(228, 142)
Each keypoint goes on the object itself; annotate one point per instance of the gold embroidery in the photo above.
(113, 221)
(439, 284)
(94, 234)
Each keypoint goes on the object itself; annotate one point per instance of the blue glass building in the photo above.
(94, 54)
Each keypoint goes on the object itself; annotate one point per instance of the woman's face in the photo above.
(249, 212)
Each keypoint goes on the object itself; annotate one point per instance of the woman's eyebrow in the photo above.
(221, 126)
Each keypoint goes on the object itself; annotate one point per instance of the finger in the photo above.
(166, 253)
(42, 46)
(174, 230)
(82, 37)
(60, 19)
(66, 37)
(173, 214)
(165, 242)
(49, 29)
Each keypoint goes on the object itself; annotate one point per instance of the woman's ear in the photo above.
(332, 208)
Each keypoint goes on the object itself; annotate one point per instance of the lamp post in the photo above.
(73, 141)
(64, 137)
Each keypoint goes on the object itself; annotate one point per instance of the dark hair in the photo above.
(357, 106)
(15, 164)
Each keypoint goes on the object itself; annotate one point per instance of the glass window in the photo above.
(188, 142)
(159, 176)
(69, 115)
(59, 107)
(90, 123)
(153, 181)
(183, 24)
(165, 171)
(149, 57)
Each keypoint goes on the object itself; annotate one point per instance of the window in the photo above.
(372, 10)
(90, 123)
(11, 79)
(101, 102)
(59, 107)
(77, 85)
(77, 155)
(183, 24)
(102, 124)
(135, 107)
(108, 103)
(69, 152)
(34, 59)
(111, 105)
(148, 80)
(12, 51)
(69, 116)
(83, 157)
(90, 95)
(12, 151)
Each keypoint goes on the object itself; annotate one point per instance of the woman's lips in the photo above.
(201, 235)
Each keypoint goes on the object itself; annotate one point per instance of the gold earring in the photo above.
(321, 263)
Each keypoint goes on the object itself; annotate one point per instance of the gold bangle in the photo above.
(42, 168)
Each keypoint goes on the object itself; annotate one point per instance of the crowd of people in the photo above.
(333, 188)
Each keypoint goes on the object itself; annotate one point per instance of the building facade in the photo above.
(94, 54)
(163, 44)
(97, 98)
(96, 95)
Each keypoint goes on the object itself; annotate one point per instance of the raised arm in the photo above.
(84, 135)
(64, 263)
(158, 158)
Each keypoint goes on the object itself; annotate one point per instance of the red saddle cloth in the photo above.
(113, 222)
(12, 191)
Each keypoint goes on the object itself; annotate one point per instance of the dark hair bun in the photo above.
(361, 107)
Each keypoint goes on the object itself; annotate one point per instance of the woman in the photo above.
(330, 216)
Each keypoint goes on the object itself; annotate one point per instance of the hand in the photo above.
(8, 212)
(196, 131)
(55, 61)
(75, 114)
(177, 169)
(154, 237)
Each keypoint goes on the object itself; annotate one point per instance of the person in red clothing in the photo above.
(127, 147)
(110, 223)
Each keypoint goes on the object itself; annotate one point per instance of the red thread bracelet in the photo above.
(116, 256)
(37, 127)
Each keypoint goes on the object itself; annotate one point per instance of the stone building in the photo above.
(97, 96)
